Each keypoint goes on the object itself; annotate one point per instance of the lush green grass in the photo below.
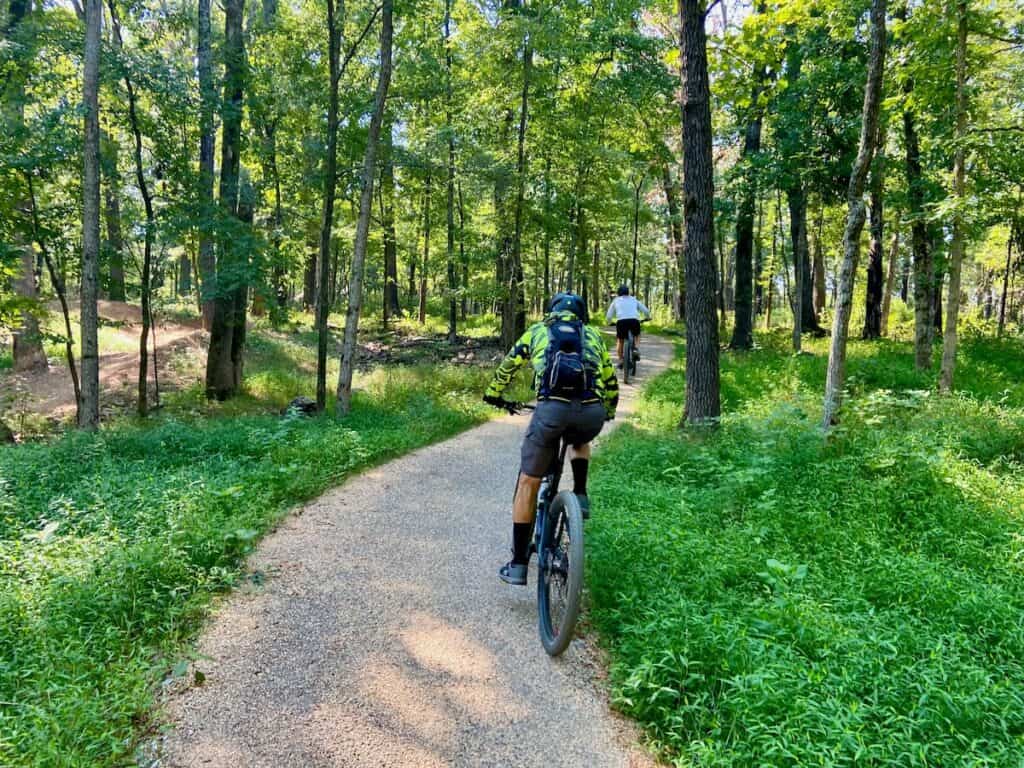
(770, 597)
(111, 546)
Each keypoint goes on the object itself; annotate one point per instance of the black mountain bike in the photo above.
(558, 542)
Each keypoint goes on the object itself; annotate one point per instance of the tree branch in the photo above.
(355, 46)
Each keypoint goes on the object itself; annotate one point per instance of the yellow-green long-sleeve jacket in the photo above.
(531, 348)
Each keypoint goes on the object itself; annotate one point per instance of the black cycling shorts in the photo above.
(579, 422)
(623, 327)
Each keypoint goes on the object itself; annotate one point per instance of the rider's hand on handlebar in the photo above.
(505, 405)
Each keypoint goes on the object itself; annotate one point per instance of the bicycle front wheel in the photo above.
(560, 573)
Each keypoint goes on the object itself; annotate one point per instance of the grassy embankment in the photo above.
(769, 597)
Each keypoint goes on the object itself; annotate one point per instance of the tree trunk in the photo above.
(464, 308)
(743, 328)
(702, 374)
(876, 250)
(923, 270)
(227, 336)
(335, 26)
(59, 288)
(392, 305)
(547, 226)
(147, 201)
(949, 342)
(112, 211)
(207, 212)
(818, 267)
(28, 341)
(453, 314)
(513, 317)
(855, 217)
(890, 281)
(671, 189)
(636, 228)
(355, 288)
(1006, 278)
(798, 237)
(424, 270)
(89, 408)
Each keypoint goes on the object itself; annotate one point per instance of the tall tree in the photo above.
(150, 230)
(89, 409)
(450, 203)
(702, 374)
(335, 26)
(956, 251)
(355, 297)
(743, 330)
(876, 249)
(855, 216)
(112, 213)
(923, 271)
(207, 99)
(28, 341)
(227, 336)
(392, 305)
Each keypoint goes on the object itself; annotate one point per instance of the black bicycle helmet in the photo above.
(569, 302)
(623, 290)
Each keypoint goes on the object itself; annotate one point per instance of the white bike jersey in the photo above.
(626, 308)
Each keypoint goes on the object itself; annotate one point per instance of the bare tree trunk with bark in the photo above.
(855, 217)
(89, 408)
(703, 405)
(227, 335)
(355, 289)
(890, 281)
(743, 328)
(956, 255)
(207, 140)
(335, 27)
(875, 281)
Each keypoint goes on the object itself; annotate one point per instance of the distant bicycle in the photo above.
(558, 542)
(630, 356)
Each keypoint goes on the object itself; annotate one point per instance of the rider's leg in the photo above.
(524, 510)
(579, 459)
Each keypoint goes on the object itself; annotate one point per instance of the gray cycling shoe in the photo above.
(584, 505)
(513, 573)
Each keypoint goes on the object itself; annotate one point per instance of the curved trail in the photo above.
(383, 637)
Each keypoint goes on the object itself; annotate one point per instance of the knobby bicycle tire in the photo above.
(560, 569)
(627, 359)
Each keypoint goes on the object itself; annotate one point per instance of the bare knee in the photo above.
(529, 482)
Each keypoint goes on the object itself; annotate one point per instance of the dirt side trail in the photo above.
(383, 637)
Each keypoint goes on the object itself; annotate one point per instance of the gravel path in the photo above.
(383, 637)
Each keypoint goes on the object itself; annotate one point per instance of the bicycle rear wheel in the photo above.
(560, 573)
(627, 359)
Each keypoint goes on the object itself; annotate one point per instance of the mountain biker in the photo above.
(576, 393)
(626, 311)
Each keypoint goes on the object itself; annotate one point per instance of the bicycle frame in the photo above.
(548, 491)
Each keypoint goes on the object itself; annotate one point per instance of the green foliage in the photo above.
(773, 598)
(112, 544)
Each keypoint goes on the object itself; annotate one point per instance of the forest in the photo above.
(208, 210)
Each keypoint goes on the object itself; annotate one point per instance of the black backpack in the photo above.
(565, 370)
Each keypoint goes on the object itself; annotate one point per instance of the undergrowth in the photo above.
(772, 597)
(112, 544)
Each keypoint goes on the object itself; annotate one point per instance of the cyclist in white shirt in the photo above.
(626, 312)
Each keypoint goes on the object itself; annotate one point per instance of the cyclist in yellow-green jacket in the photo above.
(576, 393)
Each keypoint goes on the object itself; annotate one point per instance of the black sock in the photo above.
(522, 536)
(579, 476)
